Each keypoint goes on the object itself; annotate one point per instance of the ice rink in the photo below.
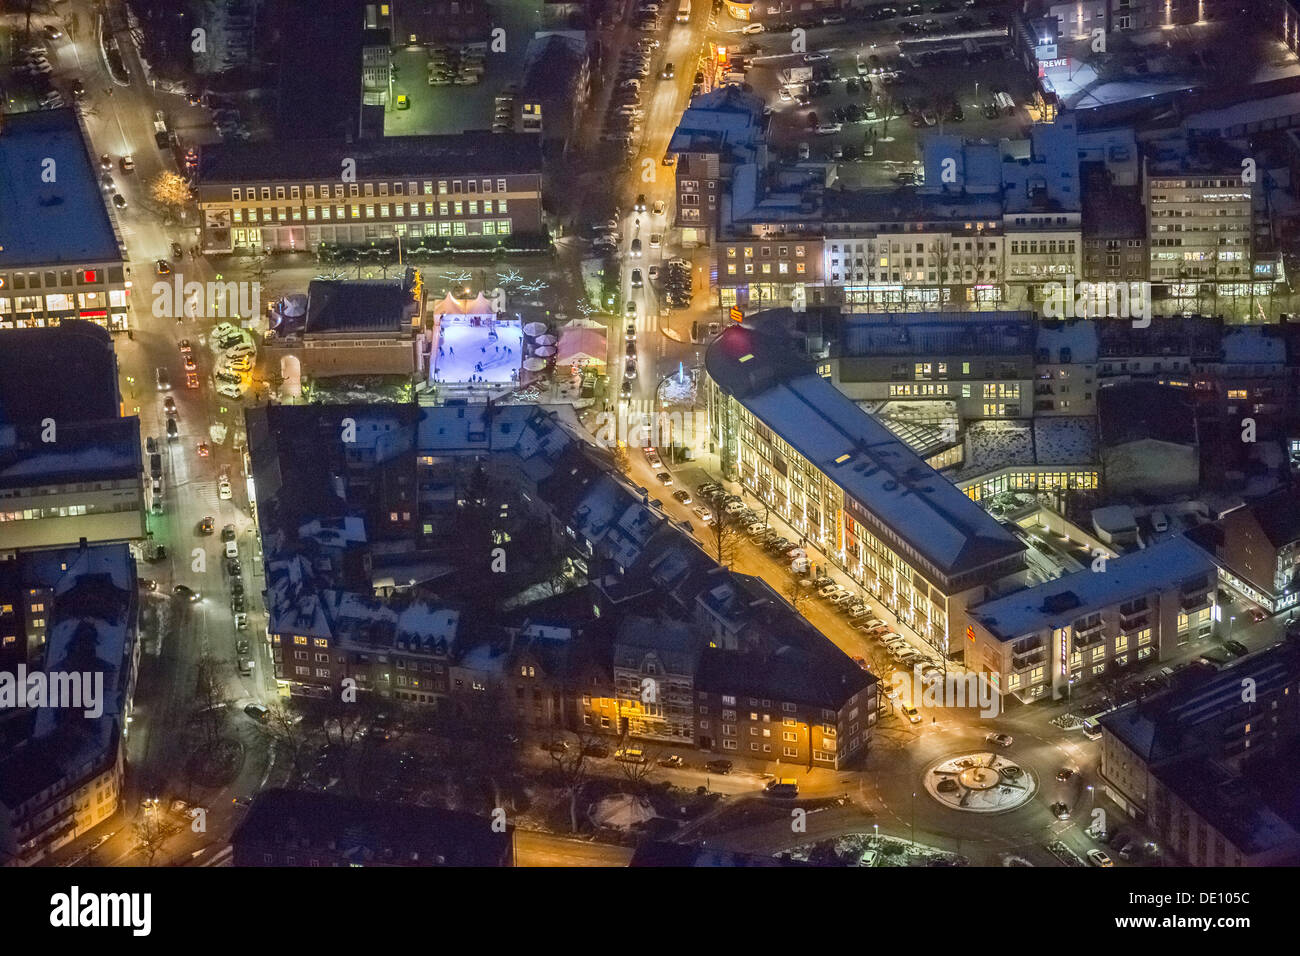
(463, 348)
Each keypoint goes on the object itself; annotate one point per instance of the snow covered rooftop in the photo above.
(885, 479)
(50, 220)
(1060, 602)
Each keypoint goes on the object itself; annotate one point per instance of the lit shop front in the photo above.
(37, 298)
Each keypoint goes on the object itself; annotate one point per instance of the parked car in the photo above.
(1098, 858)
(719, 766)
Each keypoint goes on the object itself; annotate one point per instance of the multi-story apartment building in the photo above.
(977, 366)
(1065, 372)
(71, 468)
(66, 614)
(1249, 376)
(1199, 221)
(467, 189)
(1258, 549)
(845, 482)
(719, 131)
(904, 251)
(654, 678)
(62, 256)
(1114, 230)
(1203, 764)
(1083, 627)
(813, 710)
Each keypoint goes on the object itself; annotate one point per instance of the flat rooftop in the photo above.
(394, 157)
(359, 305)
(1166, 725)
(36, 366)
(854, 450)
(63, 222)
(1060, 602)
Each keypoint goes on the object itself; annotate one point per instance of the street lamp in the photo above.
(914, 819)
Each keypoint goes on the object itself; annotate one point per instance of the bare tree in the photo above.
(722, 533)
(636, 772)
(210, 699)
(152, 831)
(570, 765)
(796, 594)
(286, 727)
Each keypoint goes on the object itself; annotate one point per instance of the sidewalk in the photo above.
(708, 464)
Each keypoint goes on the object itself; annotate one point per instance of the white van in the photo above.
(232, 548)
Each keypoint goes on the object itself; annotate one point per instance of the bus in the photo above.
(684, 11)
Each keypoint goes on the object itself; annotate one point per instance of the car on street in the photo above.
(912, 714)
(629, 369)
(163, 267)
(224, 491)
(683, 496)
(596, 749)
(204, 450)
(719, 766)
(1060, 810)
(640, 203)
(637, 281)
(241, 647)
(664, 478)
(188, 593)
(750, 29)
(1002, 740)
(636, 248)
(176, 250)
(127, 163)
(119, 201)
(672, 761)
(703, 513)
(1098, 858)
(1236, 647)
(105, 161)
(659, 207)
(173, 431)
(207, 524)
(225, 389)
(257, 712)
(1065, 774)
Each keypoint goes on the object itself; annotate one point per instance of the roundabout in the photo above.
(980, 782)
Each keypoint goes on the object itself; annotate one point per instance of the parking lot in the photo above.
(882, 87)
